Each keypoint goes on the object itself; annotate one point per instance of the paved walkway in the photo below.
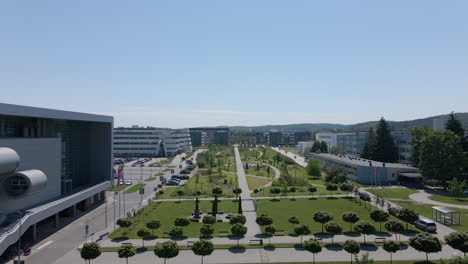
(422, 196)
(298, 159)
(273, 255)
(247, 202)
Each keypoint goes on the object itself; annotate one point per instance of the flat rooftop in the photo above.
(37, 112)
(346, 159)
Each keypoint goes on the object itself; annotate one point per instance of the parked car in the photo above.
(393, 210)
(364, 196)
(185, 172)
(189, 168)
(128, 182)
(172, 183)
(426, 225)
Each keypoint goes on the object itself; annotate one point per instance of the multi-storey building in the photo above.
(330, 138)
(53, 164)
(209, 136)
(150, 142)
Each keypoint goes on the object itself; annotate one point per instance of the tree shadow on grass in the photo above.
(351, 234)
(269, 248)
(237, 249)
(275, 200)
(119, 239)
(178, 238)
(152, 237)
(313, 198)
(141, 250)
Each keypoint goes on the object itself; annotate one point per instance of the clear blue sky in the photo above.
(244, 62)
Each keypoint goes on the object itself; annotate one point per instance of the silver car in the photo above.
(426, 225)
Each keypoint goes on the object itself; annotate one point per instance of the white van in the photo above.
(426, 225)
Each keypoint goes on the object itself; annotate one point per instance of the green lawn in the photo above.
(304, 209)
(159, 174)
(256, 182)
(426, 210)
(449, 199)
(203, 183)
(393, 193)
(134, 188)
(117, 188)
(150, 179)
(167, 212)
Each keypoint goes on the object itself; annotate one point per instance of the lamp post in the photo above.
(19, 235)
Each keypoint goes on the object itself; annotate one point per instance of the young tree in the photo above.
(238, 219)
(379, 216)
(124, 223)
(391, 247)
(180, 193)
(312, 189)
(313, 247)
(179, 221)
(313, 168)
(202, 248)
(352, 247)
(322, 218)
(206, 230)
(407, 215)
(385, 148)
(239, 205)
(351, 218)
(294, 221)
(209, 220)
(455, 126)
(369, 146)
(458, 240)
(302, 230)
(332, 188)
(270, 231)
(347, 188)
(333, 228)
(456, 188)
(153, 225)
(264, 220)
(143, 233)
(336, 175)
(126, 251)
(364, 228)
(394, 227)
(90, 251)
(176, 232)
(315, 147)
(166, 250)
(239, 231)
(441, 156)
(237, 191)
(427, 243)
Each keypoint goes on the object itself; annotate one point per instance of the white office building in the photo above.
(330, 138)
(304, 146)
(150, 142)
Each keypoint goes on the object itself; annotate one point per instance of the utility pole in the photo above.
(114, 208)
(105, 201)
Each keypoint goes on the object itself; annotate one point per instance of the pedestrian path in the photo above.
(247, 202)
(423, 197)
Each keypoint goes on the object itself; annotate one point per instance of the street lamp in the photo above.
(20, 212)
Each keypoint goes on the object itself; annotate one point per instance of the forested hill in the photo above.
(396, 125)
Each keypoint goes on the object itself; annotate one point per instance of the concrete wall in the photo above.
(35, 153)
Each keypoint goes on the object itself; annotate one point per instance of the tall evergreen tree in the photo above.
(456, 127)
(417, 135)
(385, 147)
(323, 147)
(369, 146)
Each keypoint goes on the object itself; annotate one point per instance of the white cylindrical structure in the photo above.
(24, 183)
(9, 161)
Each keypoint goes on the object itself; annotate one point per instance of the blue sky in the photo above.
(244, 62)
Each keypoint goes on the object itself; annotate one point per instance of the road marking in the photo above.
(44, 245)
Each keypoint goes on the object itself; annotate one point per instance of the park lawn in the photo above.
(117, 188)
(260, 172)
(304, 209)
(300, 191)
(150, 179)
(426, 211)
(167, 212)
(159, 174)
(204, 185)
(393, 193)
(166, 161)
(257, 182)
(449, 199)
(135, 188)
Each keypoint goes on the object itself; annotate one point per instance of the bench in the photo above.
(190, 243)
(223, 233)
(380, 239)
(279, 233)
(254, 242)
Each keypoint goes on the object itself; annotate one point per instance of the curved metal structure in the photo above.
(9, 161)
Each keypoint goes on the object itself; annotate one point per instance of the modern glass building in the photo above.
(64, 164)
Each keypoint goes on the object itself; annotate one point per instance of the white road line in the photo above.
(44, 245)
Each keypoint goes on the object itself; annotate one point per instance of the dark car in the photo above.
(189, 168)
(185, 172)
(364, 196)
(169, 183)
(393, 211)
